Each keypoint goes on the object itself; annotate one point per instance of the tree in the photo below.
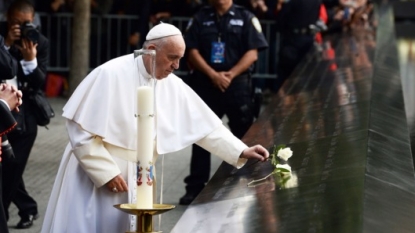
(79, 66)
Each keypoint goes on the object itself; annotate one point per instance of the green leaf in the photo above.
(284, 180)
(282, 169)
(274, 160)
(277, 148)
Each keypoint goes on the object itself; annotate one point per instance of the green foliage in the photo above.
(280, 169)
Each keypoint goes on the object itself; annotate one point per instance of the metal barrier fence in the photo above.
(109, 39)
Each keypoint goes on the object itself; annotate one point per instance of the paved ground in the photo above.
(45, 158)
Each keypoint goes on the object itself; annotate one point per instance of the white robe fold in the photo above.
(102, 131)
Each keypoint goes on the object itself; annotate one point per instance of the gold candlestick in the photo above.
(144, 216)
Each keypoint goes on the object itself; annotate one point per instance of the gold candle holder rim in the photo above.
(131, 208)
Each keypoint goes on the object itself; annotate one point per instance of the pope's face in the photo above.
(168, 56)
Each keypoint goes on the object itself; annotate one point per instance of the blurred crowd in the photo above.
(335, 15)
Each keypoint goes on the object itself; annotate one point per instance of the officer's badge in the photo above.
(257, 24)
(238, 22)
(189, 24)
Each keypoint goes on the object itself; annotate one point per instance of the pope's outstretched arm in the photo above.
(223, 143)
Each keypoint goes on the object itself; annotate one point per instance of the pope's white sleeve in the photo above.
(95, 160)
(223, 143)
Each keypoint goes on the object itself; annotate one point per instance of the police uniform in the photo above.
(222, 41)
(293, 24)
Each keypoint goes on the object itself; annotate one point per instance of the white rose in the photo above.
(285, 153)
(292, 182)
(284, 166)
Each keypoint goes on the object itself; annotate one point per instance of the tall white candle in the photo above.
(145, 137)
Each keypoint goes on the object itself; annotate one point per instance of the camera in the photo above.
(6, 148)
(29, 31)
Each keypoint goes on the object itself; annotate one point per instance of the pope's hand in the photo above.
(255, 152)
(117, 184)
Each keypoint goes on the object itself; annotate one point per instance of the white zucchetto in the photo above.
(162, 30)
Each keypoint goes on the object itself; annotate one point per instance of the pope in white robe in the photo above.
(102, 129)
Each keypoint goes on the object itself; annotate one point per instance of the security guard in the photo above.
(223, 42)
(296, 23)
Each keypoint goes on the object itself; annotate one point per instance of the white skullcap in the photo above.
(162, 30)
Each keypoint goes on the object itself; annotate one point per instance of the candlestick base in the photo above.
(144, 216)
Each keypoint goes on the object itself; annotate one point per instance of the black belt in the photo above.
(201, 80)
(244, 77)
(300, 31)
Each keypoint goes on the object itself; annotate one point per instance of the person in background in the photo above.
(31, 53)
(10, 99)
(263, 9)
(346, 14)
(222, 44)
(8, 65)
(161, 10)
(151, 12)
(58, 30)
(294, 22)
(138, 28)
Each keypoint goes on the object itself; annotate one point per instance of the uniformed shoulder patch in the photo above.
(256, 24)
(189, 24)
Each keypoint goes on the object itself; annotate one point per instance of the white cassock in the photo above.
(102, 129)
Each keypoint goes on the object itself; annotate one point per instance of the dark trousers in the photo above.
(3, 219)
(236, 103)
(293, 48)
(13, 168)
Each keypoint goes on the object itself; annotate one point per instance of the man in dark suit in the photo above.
(10, 98)
(30, 48)
(8, 65)
(8, 69)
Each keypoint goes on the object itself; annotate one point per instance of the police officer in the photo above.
(296, 22)
(223, 42)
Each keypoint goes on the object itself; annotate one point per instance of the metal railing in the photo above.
(109, 39)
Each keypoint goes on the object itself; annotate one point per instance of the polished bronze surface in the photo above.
(131, 208)
(144, 217)
(344, 118)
